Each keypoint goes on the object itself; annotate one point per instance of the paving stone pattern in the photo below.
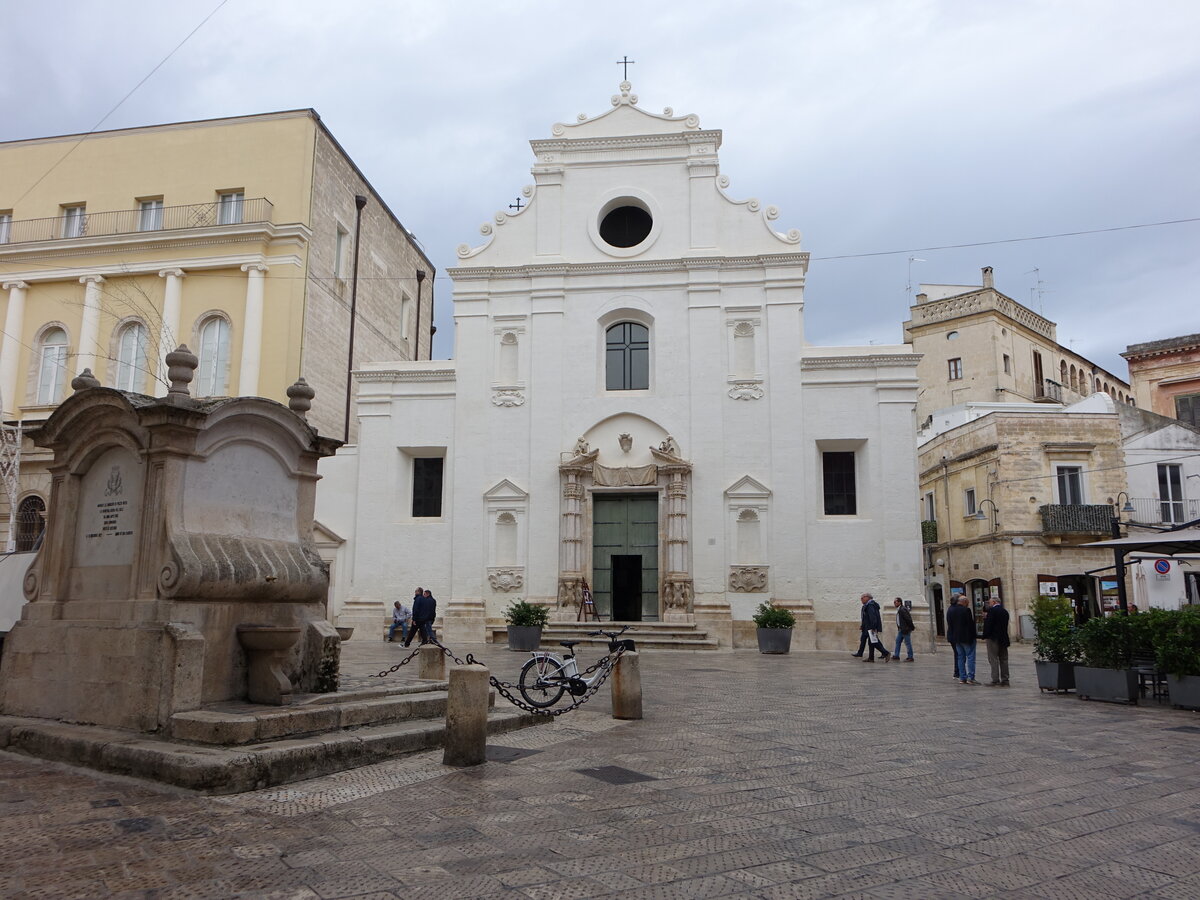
(802, 776)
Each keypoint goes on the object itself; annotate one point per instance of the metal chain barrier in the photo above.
(608, 663)
(396, 667)
(446, 651)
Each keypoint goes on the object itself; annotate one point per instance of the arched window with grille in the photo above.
(131, 358)
(627, 357)
(212, 375)
(52, 366)
(31, 522)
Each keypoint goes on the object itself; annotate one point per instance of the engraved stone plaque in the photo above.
(110, 509)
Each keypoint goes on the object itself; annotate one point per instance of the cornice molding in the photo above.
(533, 270)
(854, 362)
(378, 376)
(159, 266)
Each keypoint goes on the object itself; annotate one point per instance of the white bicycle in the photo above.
(547, 676)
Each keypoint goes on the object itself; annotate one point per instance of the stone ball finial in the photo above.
(300, 396)
(84, 380)
(181, 369)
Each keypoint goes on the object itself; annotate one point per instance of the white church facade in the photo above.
(632, 407)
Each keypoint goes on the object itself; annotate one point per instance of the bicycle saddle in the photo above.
(569, 644)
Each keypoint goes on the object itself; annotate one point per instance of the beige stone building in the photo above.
(1165, 376)
(234, 236)
(979, 345)
(1043, 478)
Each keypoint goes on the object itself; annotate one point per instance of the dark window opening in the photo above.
(427, 487)
(841, 497)
(626, 226)
(31, 522)
(627, 357)
(1187, 409)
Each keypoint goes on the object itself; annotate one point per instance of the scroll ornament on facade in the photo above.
(508, 398)
(506, 579)
(748, 579)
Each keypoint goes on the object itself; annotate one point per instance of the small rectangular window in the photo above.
(229, 207)
(427, 487)
(1187, 409)
(930, 511)
(150, 215)
(1070, 485)
(5, 226)
(841, 494)
(74, 221)
(341, 246)
(1007, 364)
(969, 507)
(955, 367)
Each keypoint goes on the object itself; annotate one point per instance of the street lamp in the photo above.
(1119, 553)
(995, 511)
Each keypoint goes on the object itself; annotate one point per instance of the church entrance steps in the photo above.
(648, 635)
(232, 748)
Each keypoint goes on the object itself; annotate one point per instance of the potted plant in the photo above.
(1054, 643)
(1177, 651)
(775, 626)
(525, 622)
(1106, 644)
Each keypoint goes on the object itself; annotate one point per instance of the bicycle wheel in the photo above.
(539, 682)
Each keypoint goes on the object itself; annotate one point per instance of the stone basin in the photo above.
(345, 631)
(268, 637)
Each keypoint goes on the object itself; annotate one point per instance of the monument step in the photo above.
(233, 770)
(233, 724)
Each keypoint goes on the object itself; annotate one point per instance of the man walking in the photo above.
(904, 630)
(424, 611)
(960, 632)
(870, 627)
(995, 634)
(953, 646)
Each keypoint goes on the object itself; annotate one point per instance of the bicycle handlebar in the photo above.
(611, 635)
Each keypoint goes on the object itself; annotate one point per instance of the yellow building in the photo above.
(234, 236)
(979, 345)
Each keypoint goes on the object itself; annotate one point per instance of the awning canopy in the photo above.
(1165, 543)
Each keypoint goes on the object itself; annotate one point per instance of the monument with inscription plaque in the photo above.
(178, 567)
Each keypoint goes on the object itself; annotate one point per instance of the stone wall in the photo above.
(387, 264)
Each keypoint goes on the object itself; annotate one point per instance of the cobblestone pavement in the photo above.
(810, 775)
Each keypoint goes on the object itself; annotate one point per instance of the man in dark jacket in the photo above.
(995, 634)
(872, 623)
(424, 612)
(960, 632)
(904, 630)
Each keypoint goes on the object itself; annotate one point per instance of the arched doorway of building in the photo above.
(31, 522)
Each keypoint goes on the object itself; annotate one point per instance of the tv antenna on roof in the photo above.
(1037, 289)
(908, 286)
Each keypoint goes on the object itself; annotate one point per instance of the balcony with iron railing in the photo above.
(1152, 511)
(1049, 391)
(133, 221)
(1081, 518)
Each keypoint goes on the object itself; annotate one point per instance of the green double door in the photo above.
(625, 556)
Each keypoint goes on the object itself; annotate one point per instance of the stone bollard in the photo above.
(466, 716)
(627, 687)
(432, 663)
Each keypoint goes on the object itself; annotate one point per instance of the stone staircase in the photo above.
(647, 635)
(228, 748)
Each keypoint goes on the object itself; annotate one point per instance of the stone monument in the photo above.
(178, 567)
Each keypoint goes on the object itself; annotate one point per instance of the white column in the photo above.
(89, 331)
(168, 330)
(10, 352)
(252, 330)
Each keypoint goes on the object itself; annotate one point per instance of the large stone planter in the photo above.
(524, 637)
(1054, 676)
(1184, 690)
(774, 640)
(1110, 685)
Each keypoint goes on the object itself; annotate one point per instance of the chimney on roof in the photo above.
(987, 277)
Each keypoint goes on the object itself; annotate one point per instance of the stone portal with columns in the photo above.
(668, 475)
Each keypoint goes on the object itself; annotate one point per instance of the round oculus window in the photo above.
(625, 226)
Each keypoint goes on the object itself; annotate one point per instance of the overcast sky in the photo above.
(873, 126)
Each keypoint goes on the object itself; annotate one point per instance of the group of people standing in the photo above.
(417, 620)
(960, 632)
